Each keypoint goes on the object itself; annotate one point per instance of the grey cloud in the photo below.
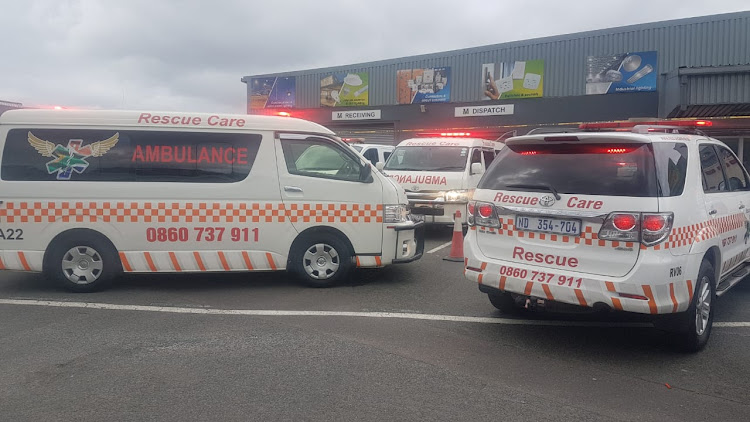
(190, 55)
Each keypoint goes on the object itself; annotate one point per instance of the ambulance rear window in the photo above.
(605, 168)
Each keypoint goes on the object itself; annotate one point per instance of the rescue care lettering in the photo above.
(426, 180)
(540, 258)
(190, 120)
(185, 154)
(516, 199)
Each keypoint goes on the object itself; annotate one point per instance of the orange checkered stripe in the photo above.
(659, 298)
(695, 233)
(587, 237)
(188, 212)
(369, 261)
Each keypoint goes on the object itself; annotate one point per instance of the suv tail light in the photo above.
(656, 227)
(622, 227)
(648, 228)
(481, 214)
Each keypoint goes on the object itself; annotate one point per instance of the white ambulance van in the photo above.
(86, 195)
(440, 174)
(653, 221)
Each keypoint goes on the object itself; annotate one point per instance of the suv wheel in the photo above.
(692, 328)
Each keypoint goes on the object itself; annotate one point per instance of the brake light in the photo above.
(621, 227)
(624, 222)
(529, 153)
(284, 114)
(485, 210)
(616, 150)
(704, 123)
(648, 228)
(482, 214)
(653, 223)
(455, 134)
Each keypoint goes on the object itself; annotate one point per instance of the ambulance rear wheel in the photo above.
(82, 262)
(321, 261)
(504, 302)
(691, 329)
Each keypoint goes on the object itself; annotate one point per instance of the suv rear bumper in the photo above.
(649, 286)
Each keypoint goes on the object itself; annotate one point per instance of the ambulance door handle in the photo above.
(712, 212)
(292, 189)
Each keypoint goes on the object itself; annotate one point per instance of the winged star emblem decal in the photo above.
(72, 158)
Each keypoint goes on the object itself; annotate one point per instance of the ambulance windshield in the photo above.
(428, 158)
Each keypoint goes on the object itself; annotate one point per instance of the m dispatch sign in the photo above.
(484, 110)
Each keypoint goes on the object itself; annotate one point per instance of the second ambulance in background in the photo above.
(440, 173)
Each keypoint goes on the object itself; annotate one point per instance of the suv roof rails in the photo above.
(550, 130)
(646, 129)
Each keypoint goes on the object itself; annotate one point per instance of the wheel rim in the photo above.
(703, 306)
(321, 261)
(82, 265)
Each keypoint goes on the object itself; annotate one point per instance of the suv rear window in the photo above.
(612, 169)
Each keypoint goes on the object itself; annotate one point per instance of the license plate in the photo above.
(548, 225)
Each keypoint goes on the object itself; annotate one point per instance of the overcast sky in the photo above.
(191, 54)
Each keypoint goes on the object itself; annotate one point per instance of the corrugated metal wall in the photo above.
(705, 41)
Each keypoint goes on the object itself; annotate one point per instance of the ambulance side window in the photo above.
(318, 158)
(476, 156)
(114, 155)
(488, 157)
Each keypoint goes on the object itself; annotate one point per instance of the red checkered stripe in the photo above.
(695, 233)
(187, 212)
(588, 236)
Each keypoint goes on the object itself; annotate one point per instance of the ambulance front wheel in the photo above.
(321, 260)
(82, 261)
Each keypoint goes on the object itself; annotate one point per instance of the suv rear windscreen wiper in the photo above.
(539, 186)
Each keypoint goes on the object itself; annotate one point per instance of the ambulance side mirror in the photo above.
(477, 168)
(380, 165)
(365, 175)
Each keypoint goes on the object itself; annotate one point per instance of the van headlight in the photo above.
(458, 195)
(396, 213)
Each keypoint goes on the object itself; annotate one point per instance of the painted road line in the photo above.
(391, 315)
(444, 245)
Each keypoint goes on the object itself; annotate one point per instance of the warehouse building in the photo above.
(686, 69)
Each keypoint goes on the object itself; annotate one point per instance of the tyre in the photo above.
(82, 263)
(504, 302)
(321, 260)
(692, 328)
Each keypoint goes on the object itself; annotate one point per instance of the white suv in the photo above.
(653, 221)
(373, 152)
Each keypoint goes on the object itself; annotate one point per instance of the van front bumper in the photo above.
(409, 235)
(438, 212)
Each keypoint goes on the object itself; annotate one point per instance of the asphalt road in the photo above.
(152, 363)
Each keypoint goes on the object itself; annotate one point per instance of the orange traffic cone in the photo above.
(457, 244)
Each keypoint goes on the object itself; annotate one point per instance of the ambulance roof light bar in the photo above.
(631, 124)
(646, 129)
(455, 134)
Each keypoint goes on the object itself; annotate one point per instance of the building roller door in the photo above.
(383, 133)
